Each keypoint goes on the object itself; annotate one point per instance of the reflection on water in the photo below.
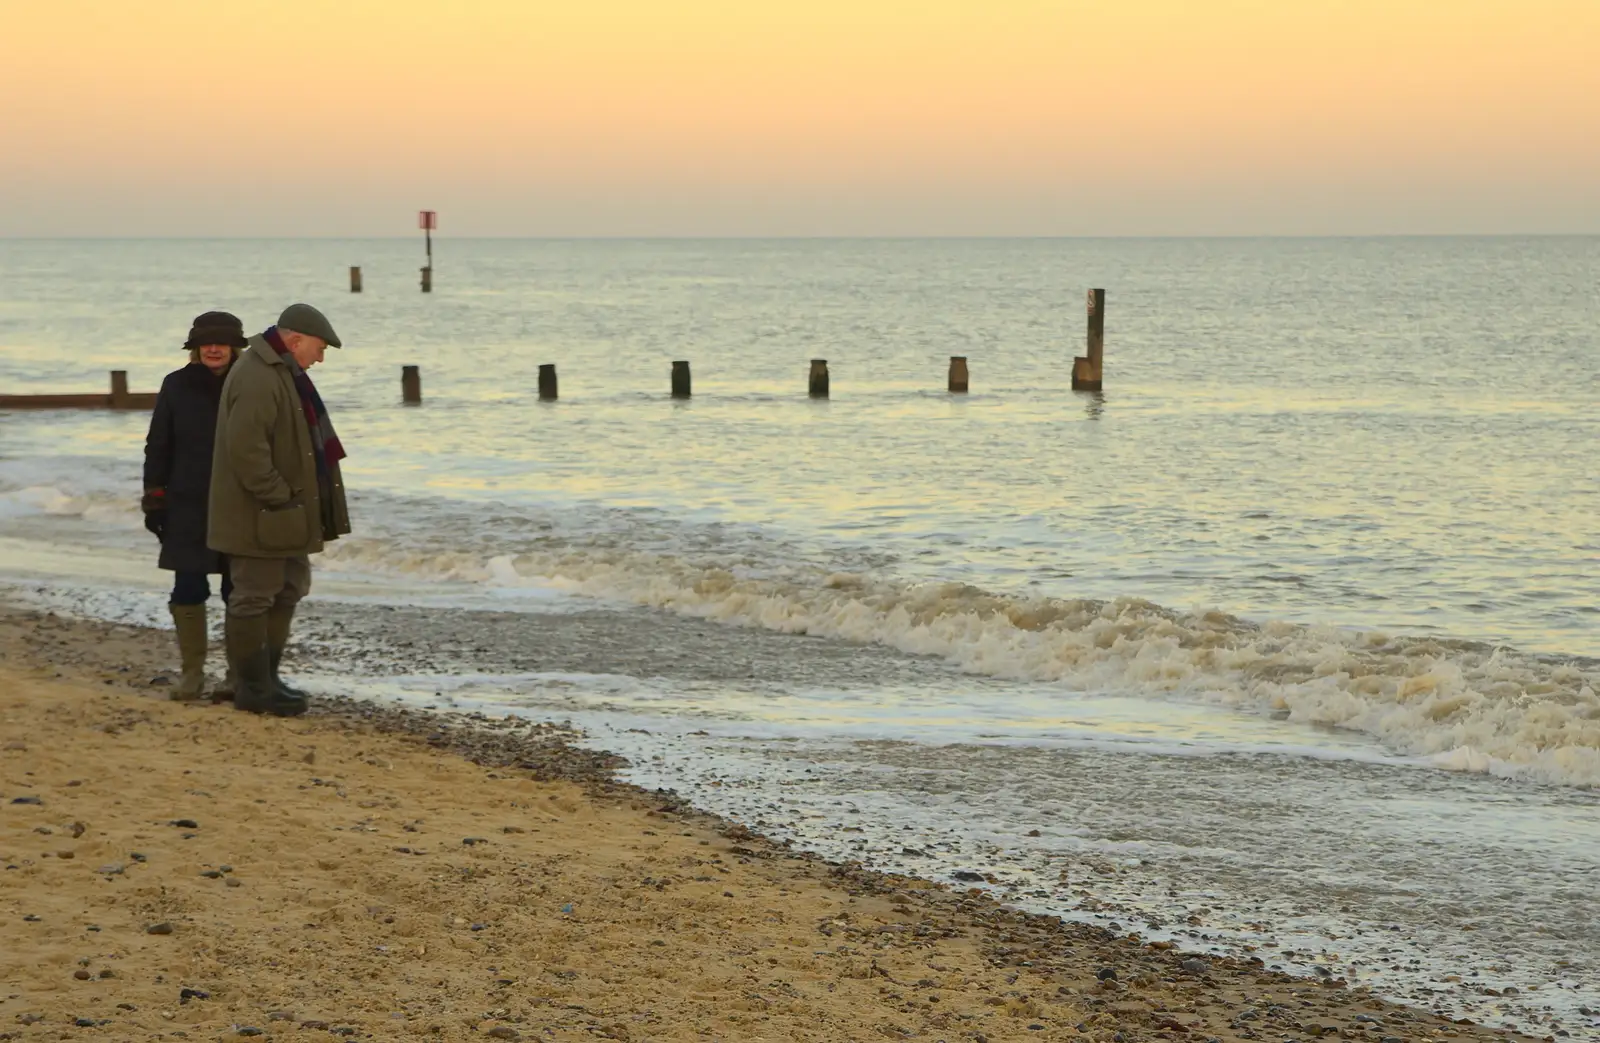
(1275, 452)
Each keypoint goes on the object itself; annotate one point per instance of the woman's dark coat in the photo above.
(177, 458)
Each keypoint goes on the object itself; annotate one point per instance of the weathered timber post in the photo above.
(355, 278)
(428, 220)
(411, 385)
(1087, 370)
(547, 382)
(819, 378)
(119, 389)
(958, 374)
(680, 379)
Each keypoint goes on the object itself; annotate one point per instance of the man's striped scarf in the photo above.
(329, 449)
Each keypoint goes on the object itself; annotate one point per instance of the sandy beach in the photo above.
(182, 871)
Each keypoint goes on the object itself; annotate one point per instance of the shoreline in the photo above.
(1016, 970)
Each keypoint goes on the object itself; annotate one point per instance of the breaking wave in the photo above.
(1461, 705)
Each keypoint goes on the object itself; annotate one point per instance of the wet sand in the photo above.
(388, 874)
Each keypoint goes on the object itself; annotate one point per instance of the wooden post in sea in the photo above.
(547, 382)
(355, 278)
(819, 378)
(680, 379)
(411, 385)
(958, 374)
(428, 220)
(119, 389)
(1087, 370)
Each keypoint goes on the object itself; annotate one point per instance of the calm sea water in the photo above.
(1329, 534)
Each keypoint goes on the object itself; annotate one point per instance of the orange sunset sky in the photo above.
(781, 117)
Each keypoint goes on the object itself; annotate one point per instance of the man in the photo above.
(276, 498)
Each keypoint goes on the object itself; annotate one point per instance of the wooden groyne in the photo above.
(118, 398)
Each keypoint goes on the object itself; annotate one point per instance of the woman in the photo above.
(177, 484)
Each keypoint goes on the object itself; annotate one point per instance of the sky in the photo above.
(799, 117)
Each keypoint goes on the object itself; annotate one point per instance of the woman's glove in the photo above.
(154, 505)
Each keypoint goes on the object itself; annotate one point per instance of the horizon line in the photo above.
(814, 238)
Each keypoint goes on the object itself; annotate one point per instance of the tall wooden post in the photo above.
(428, 220)
(547, 382)
(819, 378)
(119, 389)
(680, 379)
(958, 374)
(355, 278)
(411, 385)
(1087, 370)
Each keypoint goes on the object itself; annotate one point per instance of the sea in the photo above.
(1285, 643)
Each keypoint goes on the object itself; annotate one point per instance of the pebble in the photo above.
(184, 823)
(1195, 966)
(66, 854)
(159, 928)
(185, 995)
(26, 800)
(114, 869)
(30, 918)
(85, 1023)
(503, 1032)
(967, 876)
(81, 974)
(234, 881)
(313, 1026)
(473, 841)
(1391, 1039)
(108, 973)
(127, 1007)
(249, 1030)
(137, 857)
(280, 1015)
(211, 874)
(1107, 974)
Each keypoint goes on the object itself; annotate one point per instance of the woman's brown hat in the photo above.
(216, 327)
